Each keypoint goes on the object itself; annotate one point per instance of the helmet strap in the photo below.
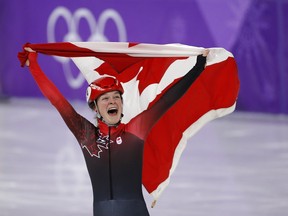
(98, 116)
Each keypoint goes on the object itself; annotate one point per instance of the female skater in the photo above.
(113, 151)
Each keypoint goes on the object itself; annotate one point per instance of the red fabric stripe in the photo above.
(118, 61)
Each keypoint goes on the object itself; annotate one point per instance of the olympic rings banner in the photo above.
(254, 31)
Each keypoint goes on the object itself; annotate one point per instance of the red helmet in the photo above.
(101, 86)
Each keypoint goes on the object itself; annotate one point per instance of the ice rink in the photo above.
(236, 165)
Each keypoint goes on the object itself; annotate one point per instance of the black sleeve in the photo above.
(142, 124)
(179, 89)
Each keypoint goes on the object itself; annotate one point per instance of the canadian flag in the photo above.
(146, 71)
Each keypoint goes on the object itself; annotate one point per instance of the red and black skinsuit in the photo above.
(113, 154)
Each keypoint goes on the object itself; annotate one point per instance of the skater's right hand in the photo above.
(30, 55)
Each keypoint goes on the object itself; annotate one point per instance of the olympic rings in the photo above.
(97, 31)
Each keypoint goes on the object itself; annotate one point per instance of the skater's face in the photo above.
(110, 107)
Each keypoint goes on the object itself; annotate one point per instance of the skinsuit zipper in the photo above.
(110, 167)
